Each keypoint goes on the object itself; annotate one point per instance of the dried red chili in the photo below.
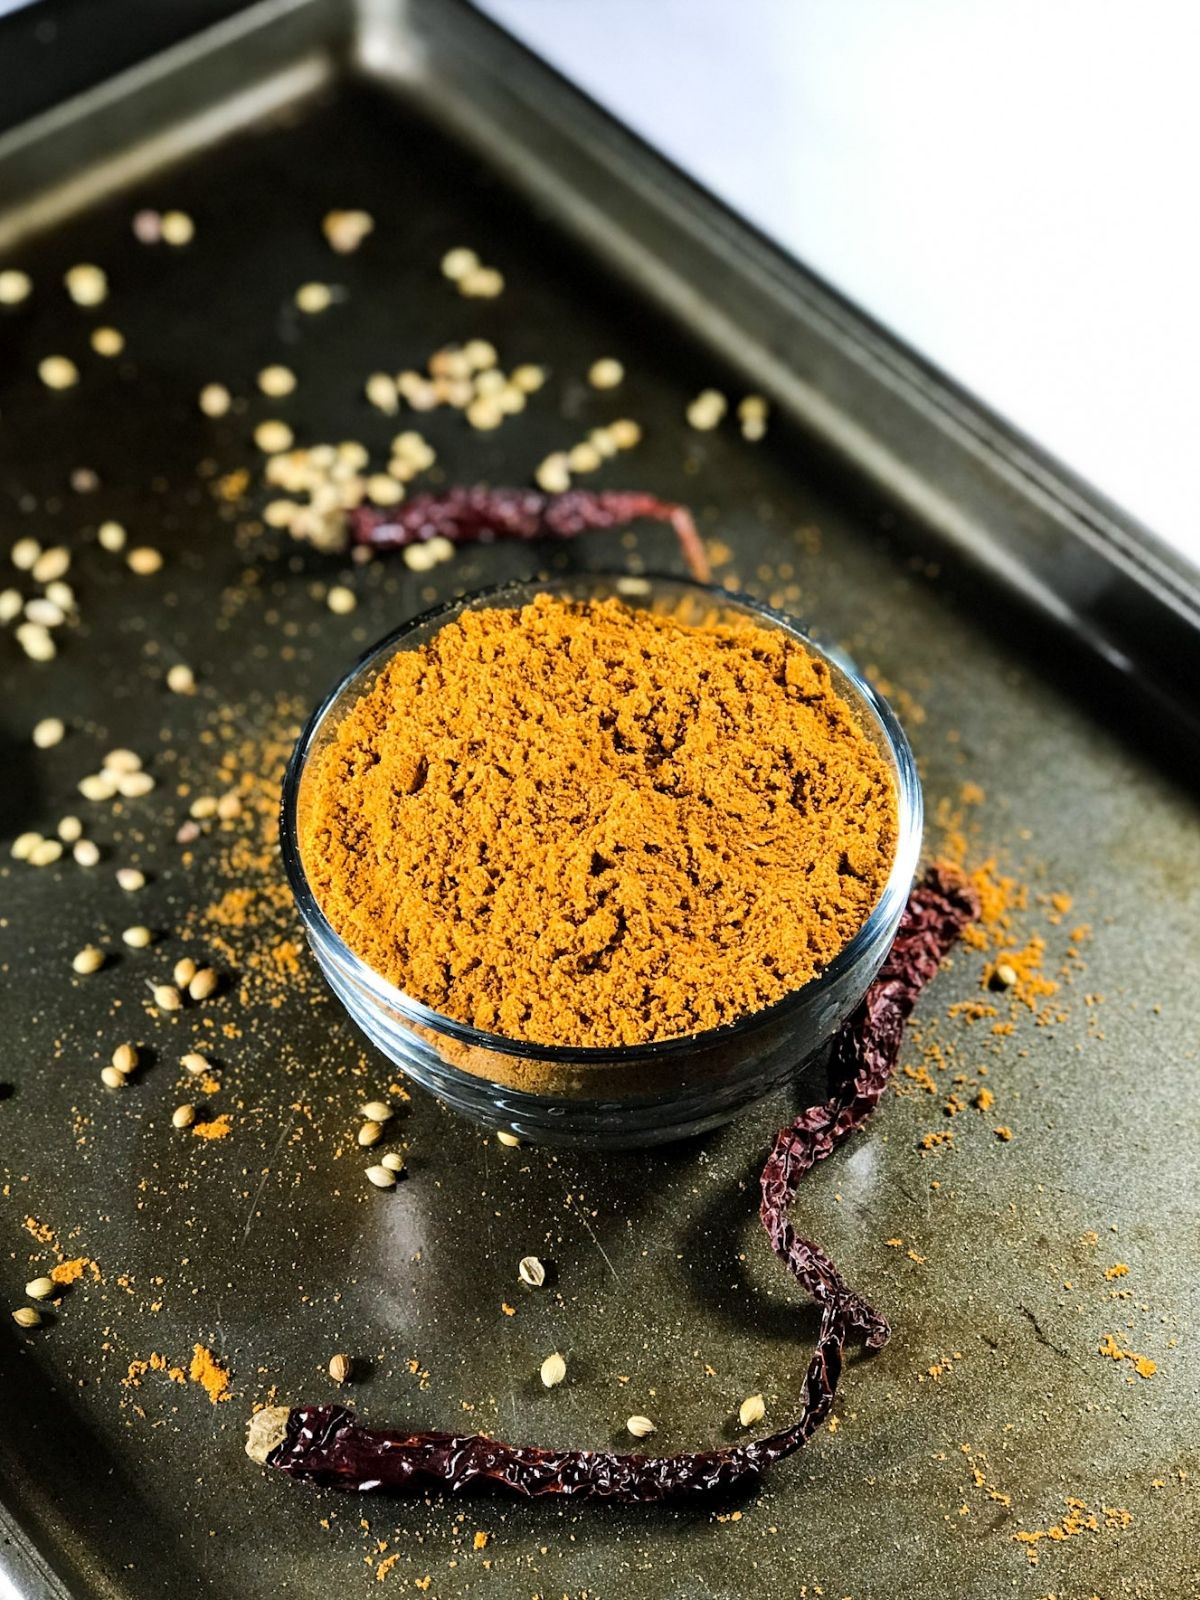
(326, 1444)
(466, 515)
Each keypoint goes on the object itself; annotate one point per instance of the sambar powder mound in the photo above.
(583, 824)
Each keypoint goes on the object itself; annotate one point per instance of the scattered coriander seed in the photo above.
(184, 971)
(215, 400)
(87, 285)
(204, 984)
(15, 286)
(51, 564)
(177, 228)
(11, 604)
(203, 807)
(90, 959)
(377, 1111)
(606, 373)
(166, 996)
(706, 410)
(554, 475)
(46, 853)
(111, 536)
(86, 852)
(382, 1177)
(753, 1409)
(181, 679)
(370, 1133)
(417, 558)
(40, 1288)
(753, 406)
(602, 440)
(457, 263)
(484, 414)
(125, 1058)
(107, 341)
(531, 1271)
(625, 433)
(340, 1368)
(138, 937)
(528, 378)
(183, 1116)
(49, 732)
(340, 600)
(506, 1138)
(61, 594)
(134, 785)
(490, 382)
(122, 760)
(111, 1078)
(640, 1427)
(195, 1064)
(393, 1161)
(145, 561)
(69, 830)
(583, 457)
(36, 642)
(273, 437)
(312, 298)
(58, 372)
(346, 230)
(380, 390)
(1005, 975)
(27, 1317)
(384, 490)
(480, 353)
(131, 879)
(280, 513)
(553, 1370)
(484, 283)
(97, 786)
(276, 381)
(24, 845)
(229, 806)
(24, 553)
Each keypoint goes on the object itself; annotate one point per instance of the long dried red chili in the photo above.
(326, 1445)
(466, 515)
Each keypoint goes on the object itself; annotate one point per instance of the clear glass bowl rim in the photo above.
(908, 847)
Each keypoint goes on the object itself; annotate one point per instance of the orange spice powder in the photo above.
(583, 824)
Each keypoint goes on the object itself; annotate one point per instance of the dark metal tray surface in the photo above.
(993, 1406)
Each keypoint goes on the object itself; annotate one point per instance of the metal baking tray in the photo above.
(1033, 637)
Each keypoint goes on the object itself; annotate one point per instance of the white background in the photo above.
(1013, 186)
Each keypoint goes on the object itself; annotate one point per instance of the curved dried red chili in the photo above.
(327, 1445)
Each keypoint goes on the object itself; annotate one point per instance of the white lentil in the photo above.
(181, 679)
(49, 732)
(15, 286)
(51, 564)
(58, 372)
(131, 879)
(553, 1370)
(381, 1177)
(145, 561)
(40, 1288)
(314, 297)
(177, 228)
(107, 341)
(87, 285)
(86, 852)
(340, 600)
(90, 959)
(484, 414)
(276, 381)
(215, 400)
(24, 553)
(606, 373)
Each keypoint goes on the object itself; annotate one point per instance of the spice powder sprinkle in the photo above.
(583, 824)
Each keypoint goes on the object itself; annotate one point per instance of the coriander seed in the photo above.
(46, 853)
(51, 564)
(531, 1271)
(166, 997)
(393, 1161)
(370, 1133)
(24, 845)
(195, 1064)
(27, 1317)
(640, 1427)
(184, 971)
(341, 1368)
(507, 1138)
(377, 1111)
(125, 1058)
(553, 1370)
(382, 1177)
(111, 1078)
(204, 984)
(90, 959)
(40, 1288)
(131, 879)
(1005, 975)
(183, 1116)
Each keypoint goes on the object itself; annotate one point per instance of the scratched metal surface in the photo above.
(268, 1246)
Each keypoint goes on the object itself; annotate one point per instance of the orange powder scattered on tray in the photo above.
(207, 1371)
(583, 824)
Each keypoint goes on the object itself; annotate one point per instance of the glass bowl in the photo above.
(630, 1095)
